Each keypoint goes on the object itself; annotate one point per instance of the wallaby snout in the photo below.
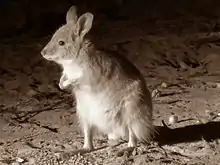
(45, 55)
(43, 52)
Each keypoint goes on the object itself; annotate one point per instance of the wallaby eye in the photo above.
(61, 43)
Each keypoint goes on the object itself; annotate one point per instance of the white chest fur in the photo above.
(72, 70)
(94, 108)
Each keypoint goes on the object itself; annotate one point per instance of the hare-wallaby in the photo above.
(110, 92)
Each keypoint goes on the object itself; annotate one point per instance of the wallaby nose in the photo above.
(43, 52)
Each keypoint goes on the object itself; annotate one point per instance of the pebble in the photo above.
(19, 160)
(155, 93)
(183, 65)
(218, 85)
(173, 119)
(164, 85)
(31, 93)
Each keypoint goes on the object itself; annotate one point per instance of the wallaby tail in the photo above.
(143, 129)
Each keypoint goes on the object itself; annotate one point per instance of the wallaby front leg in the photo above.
(62, 79)
(64, 82)
(88, 137)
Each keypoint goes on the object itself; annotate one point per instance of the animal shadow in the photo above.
(209, 131)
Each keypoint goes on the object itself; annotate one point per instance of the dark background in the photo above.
(44, 16)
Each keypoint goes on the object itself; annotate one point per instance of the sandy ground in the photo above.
(38, 122)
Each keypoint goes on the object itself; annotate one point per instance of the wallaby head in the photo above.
(67, 41)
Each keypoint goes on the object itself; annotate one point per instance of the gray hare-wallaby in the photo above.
(110, 92)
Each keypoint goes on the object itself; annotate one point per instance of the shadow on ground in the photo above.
(191, 133)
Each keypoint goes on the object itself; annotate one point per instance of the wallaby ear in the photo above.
(71, 15)
(84, 24)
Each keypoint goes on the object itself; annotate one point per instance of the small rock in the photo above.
(155, 93)
(218, 85)
(164, 85)
(198, 122)
(31, 93)
(58, 155)
(135, 152)
(173, 119)
(19, 160)
(202, 121)
(183, 65)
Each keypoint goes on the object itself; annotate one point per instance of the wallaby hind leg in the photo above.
(87, 146)
(132, 144)
(132, 140)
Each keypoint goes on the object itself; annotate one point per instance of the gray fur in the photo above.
(110, 92)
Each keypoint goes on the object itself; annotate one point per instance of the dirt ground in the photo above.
(181, 64)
